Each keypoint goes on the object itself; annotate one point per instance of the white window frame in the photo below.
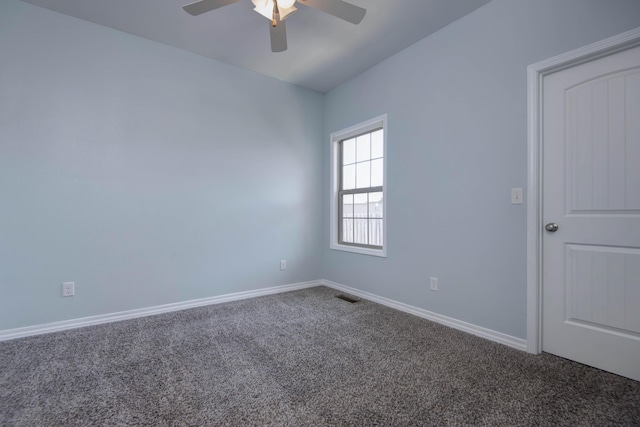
(335, 138)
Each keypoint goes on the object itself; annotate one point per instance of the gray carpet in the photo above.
(302, 358)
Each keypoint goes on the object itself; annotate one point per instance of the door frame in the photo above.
(535, 79)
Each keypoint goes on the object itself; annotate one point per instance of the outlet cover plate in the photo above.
(68, 289)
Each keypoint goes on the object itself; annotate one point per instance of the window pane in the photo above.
(364, 148)
(363, 172)
(377, 144)
(349, 151)
(347, 206)
(347, 230)
(376, 173)
(361, 231)
(376, 207)
(360, 205)
(349, 177)
(376, 235)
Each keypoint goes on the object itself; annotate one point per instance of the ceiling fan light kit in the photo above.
(271, 9)
(276, 11)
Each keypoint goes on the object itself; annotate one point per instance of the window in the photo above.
(358, 188)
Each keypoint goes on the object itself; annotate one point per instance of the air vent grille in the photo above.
(347, 298)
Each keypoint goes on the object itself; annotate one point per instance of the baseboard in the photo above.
(10, 334)
(489, 334)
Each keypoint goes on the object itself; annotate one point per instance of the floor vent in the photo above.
(347, 299)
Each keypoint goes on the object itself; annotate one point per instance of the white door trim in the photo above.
(535, 74)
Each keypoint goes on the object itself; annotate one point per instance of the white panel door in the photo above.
(591, 190)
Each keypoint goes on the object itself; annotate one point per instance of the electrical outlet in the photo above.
(68, 289)
(434, 283)
(283, 264)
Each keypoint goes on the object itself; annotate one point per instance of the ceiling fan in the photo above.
(278, 10)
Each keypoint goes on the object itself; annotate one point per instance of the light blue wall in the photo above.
(149, 175)
(456, 104)
(145, 174)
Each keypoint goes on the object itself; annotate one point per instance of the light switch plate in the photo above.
(516, 196)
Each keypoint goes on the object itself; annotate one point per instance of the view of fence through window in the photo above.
(365, 226)
(361, 190)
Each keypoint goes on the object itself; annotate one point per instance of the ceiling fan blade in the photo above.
(278, 37)
(338, 8)
(202, 6)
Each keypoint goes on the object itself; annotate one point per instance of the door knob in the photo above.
(552, 227)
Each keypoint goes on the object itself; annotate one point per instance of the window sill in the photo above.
(363, 251)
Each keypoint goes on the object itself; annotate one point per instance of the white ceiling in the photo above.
(323, 52)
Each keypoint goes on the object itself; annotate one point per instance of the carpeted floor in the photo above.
(302, 358)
